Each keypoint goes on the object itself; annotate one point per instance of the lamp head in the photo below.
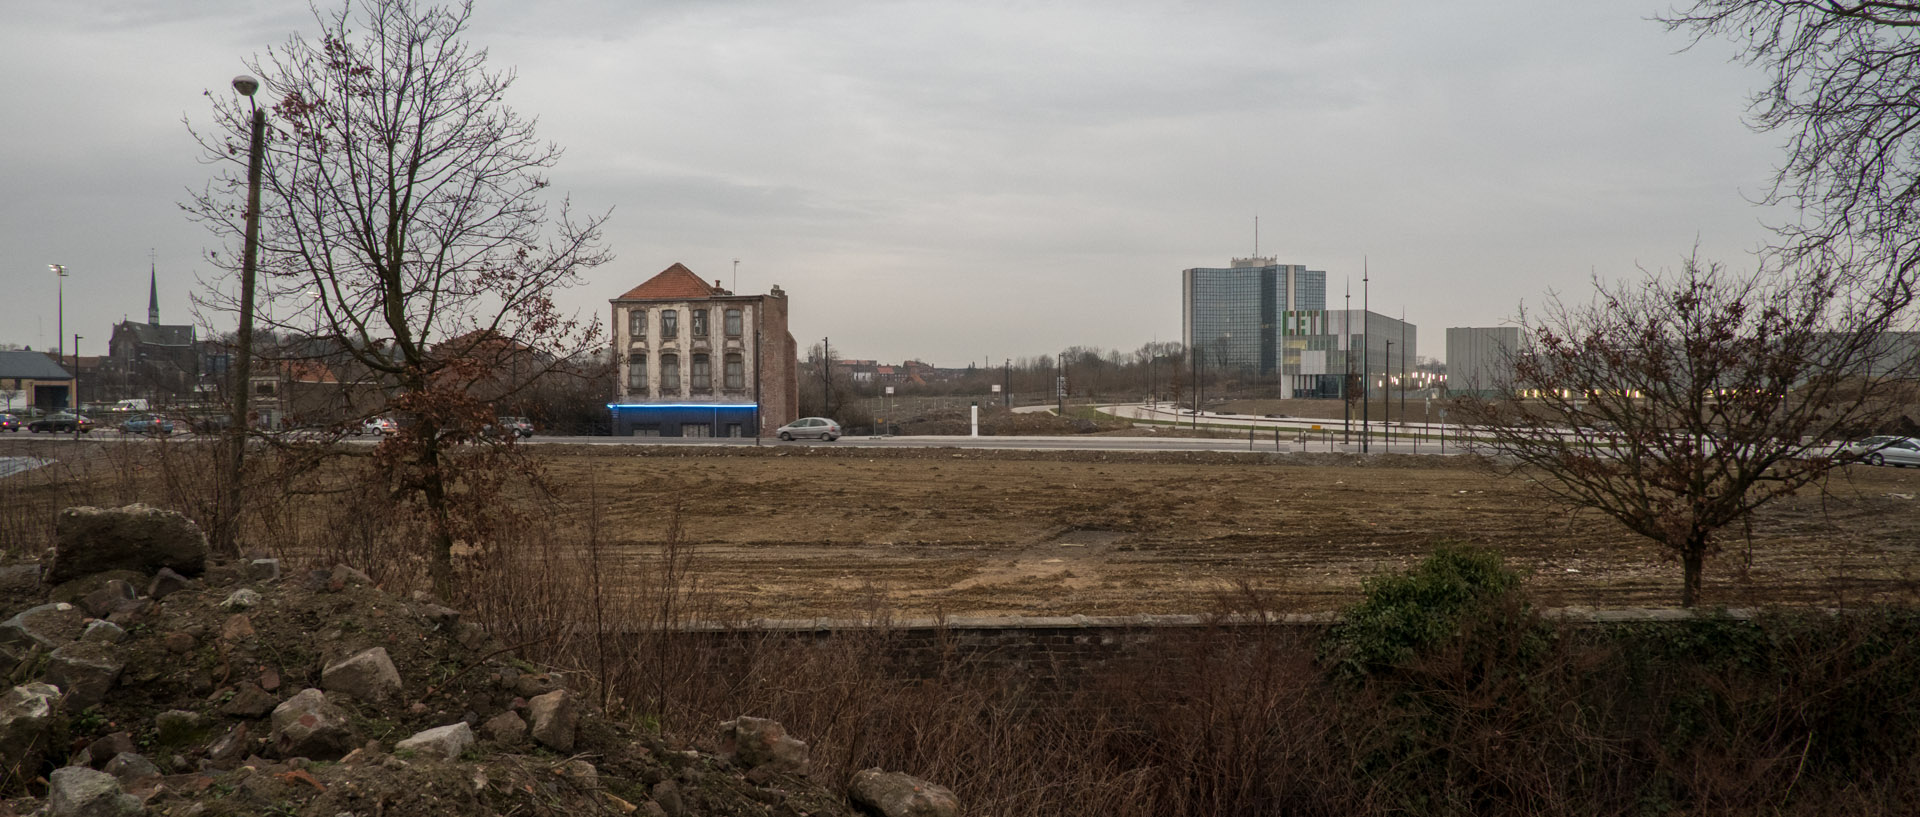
(246, 85)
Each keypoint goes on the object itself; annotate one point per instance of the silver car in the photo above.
(819, 427)
(1897, 451)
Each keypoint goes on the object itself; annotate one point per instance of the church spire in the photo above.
(153, 295)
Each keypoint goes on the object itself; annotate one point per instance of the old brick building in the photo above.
(695, 360)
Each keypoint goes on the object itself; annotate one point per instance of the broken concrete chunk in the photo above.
(348, 577)
(77, 791)
(368, 675)
(755, 742)
(243, 599)
(445, 742)
(135, 537)
(893, 794)
(103, 631)
(506, 727)
(32, 725)
(249, 701)
(130, 768)
(306, 725)
(86, 670)
(552, 719)
(48, 625)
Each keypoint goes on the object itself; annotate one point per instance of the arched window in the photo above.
(637, 324)
(669, 324)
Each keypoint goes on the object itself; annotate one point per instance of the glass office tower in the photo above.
(1236, 319)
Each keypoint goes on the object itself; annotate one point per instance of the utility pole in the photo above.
(759, 423)
(1006, 382)
(1387, 407)
(1366, 345)
(76, 388)
(1403, 365)
(227, 539)
(826, 377)
(1346, 384)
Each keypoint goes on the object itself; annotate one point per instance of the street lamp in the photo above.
(60, 308)
(243, 353)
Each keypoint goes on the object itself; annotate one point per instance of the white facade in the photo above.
(694, 350)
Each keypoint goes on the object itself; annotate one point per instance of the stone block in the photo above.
(86, 670)
(368, 676)
(306, 725)
(445, 742)
(135, 537)
(894, 794)
(77, 791)
(752, 743)
(49, 625)
(552, 720)
(506, 727)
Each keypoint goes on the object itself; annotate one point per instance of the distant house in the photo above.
(696, 360)
(29, 378)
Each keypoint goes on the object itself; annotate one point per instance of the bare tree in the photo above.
(1846, 92)
(405, 230)
(1679, 404)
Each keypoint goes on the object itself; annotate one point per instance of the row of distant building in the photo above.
(1269, 322)
(695, 359)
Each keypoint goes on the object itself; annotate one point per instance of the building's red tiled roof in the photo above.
(674, 283)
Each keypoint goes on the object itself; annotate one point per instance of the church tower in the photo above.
(153, 297)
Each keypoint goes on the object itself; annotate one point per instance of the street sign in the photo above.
(889, 390)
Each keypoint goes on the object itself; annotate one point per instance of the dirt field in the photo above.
(793, 532)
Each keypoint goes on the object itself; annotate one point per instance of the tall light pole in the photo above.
(1366, 345)
(60, 312)
(243, 352)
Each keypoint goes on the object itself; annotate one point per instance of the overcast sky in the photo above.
(966, 181)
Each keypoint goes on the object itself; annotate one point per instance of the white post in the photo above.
(976, 418)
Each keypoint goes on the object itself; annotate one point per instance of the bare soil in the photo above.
(805, 532)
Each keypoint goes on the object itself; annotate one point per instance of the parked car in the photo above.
(378, 425)
(61, 421)
(9, 422)
(509, 427)
(819, 427)
(1897, 451)
(147, 424)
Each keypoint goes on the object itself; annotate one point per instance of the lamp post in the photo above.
(60, 310)
(243, 352)
(1386, 381)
